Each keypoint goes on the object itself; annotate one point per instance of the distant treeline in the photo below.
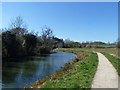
(87, 44)
(17, 41)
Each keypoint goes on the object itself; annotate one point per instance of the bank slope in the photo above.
(80, 76)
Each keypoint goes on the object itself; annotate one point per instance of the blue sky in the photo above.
(83, 21)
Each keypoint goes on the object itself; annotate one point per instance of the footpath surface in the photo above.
(106, 75)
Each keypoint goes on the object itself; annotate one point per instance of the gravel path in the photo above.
(106, 75)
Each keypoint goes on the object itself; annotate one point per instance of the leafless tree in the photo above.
(17, 23)
(18, 27)
(47, 38)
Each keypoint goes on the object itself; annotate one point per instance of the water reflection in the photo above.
(19, 74)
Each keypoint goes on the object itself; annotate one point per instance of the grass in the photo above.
(113, 51)
(114, 60)
(80, 72)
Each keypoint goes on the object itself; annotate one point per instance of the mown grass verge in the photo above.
(114, 60)
(77, 74)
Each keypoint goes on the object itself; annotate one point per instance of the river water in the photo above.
(21, 74)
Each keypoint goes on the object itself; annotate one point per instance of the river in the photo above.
(21, 74)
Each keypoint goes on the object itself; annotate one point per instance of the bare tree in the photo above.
(67, 40)
(47, 38)
(17, 23)
(18, 27)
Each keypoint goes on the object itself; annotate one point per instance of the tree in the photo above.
(118, 42)
(68, 43)
(58, 43)
(46, 40)
(0, 45)
(29, 43)
(18, 27)
(17, 23)
(10, 44)
(83, 44)
(19, 31)
(71, 44)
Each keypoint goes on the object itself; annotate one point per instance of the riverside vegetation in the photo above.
(18, 41)
(77, 74)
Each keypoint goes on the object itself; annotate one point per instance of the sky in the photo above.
(78, 21)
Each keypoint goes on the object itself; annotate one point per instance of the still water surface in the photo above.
(20, 74)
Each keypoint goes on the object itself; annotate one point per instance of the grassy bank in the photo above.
(77, 74)
(114, 60)
(113, 51)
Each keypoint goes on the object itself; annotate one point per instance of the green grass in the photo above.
(113, 51)
(80, 76)
(114, 60)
